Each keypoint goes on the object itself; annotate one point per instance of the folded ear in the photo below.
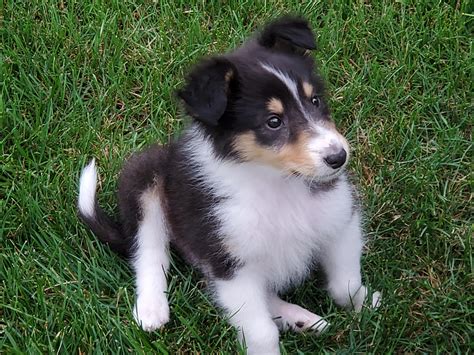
(207, 88)
(291, 34)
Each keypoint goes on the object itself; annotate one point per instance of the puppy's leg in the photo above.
(151, 262)
(291, 316)
(245, 300)
(341, 261)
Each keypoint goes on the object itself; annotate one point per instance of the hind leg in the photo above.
(151, 262)
(291, 316)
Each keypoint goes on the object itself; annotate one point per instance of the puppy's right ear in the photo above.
(207, 89)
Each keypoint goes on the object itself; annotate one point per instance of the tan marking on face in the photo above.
(275, 105)
(293, 157)
(308, 89)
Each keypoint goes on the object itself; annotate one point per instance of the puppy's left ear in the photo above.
(207, 89)
(291, 34)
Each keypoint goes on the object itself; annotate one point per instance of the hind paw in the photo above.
(291, 316)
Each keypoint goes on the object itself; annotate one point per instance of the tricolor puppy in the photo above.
(253, 194)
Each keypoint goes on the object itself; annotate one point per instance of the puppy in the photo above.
(253, 193)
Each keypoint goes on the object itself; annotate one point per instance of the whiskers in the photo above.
(313, 182)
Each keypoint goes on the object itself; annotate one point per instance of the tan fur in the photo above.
(229, 75)
(275, 105)
(308, 89)
(290, 158)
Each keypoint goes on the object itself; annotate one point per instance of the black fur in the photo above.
(225, 96)
(108, 231)
(189, 212)
(290, 34)
(140, 172)
(195, 188)
(205, 95)
(226, 108)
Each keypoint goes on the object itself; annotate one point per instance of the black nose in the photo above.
(336, 160)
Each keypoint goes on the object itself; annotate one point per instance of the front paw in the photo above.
(151, 312)
(361, 296)
(261, 338)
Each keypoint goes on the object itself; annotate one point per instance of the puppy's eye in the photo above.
(274, 122)
(316, 101)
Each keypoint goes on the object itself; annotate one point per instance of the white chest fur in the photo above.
(273, 224)
(276, 226)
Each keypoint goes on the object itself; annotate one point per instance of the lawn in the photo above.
(82, 79)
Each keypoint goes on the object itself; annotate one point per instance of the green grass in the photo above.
(96, 78)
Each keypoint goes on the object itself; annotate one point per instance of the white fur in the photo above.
(342, 264)
(285, 79)
(323, 143)
(294, 317)
(87, 190)
(289, 83)
(267, 211)
(275, 226)
(151, 262)
(244, 298)
(329, 139)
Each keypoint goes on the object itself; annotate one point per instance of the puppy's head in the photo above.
(265, 103)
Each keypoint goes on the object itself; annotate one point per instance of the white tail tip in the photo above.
(87, 188)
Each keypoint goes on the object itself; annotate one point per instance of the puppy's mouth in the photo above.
(315, 178)
(332, 176)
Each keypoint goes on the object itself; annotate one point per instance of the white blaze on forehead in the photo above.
(289, 83)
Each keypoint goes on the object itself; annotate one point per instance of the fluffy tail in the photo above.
(103, 226)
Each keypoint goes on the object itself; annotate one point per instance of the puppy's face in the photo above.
(264, 103)
(285, 122)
